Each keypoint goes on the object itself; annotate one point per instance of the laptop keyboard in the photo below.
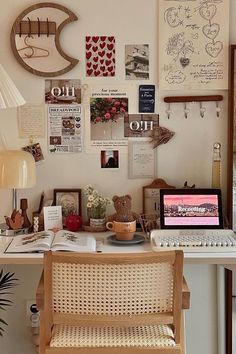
(194, 239)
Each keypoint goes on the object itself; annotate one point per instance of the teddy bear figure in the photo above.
(122, 206)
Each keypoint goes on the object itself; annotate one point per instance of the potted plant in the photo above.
(96, 206)
(7, 281)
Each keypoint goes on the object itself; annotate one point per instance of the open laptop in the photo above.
(190, 208)
(190, 218)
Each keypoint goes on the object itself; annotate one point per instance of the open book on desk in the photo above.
(62, 240)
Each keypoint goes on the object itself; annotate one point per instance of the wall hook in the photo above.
(168, 111)
(202, 110)
(186, 110)
(217, 109)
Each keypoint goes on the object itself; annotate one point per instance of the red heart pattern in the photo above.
(100, 56)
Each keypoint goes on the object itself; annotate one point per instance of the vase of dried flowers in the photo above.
(96, 207)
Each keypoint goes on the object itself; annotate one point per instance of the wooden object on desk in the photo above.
(15, 221)
(24, 207)
(118, 314)
(41, 220)
(151, 195)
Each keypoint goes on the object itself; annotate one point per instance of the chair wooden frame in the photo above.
(181, 300)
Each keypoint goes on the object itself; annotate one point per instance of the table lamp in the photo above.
(17, 168)
(9, 94)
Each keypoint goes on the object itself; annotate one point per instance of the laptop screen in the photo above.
(191, 209)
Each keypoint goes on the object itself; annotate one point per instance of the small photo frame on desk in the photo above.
(151, 196)
(70, 201)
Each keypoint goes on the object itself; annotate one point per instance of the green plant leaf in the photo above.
(7, 281)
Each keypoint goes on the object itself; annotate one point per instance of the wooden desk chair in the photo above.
(112, 303)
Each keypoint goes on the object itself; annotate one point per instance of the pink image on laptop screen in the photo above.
(181, 210)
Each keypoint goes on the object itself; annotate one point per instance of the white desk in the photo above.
(227, 259)
(200, 272)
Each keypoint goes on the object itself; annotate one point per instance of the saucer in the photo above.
(135, 240)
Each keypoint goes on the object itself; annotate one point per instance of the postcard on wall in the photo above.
(142, 160)
(100, 56)
(64, 129)
(104, 121)
(193, 44)
(35, 150)
(137, 61)
(146, 99)
(31, 121)
(110, 159)
(62, 91)
(140, 125)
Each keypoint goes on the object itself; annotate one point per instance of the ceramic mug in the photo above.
(123, 230)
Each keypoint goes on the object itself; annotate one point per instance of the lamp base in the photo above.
(5, 231)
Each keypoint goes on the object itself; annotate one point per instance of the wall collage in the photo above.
(193, 55)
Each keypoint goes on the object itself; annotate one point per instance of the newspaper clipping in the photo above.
(64, 128)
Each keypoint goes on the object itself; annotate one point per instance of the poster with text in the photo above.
(64, 129)
(104, 120)
(64, 91)
(193, 44)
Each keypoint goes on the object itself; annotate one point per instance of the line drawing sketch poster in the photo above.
(193, 44)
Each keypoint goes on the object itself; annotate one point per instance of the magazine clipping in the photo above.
(64, 128)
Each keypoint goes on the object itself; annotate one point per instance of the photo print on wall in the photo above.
(107, 117)
(137, 61)
(35, 150)
(104, 118)
(100, 56)
(109, 159)
(65, 91)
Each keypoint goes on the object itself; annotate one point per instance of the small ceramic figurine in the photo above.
(15, 221)
(186, 185)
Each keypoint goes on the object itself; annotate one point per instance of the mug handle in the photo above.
(109, 225)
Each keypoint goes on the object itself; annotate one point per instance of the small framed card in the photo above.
(52, 217)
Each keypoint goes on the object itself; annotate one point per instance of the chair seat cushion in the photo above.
(141, 336)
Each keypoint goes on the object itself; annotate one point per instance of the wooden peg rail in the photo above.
(178, 99)
(36, 27)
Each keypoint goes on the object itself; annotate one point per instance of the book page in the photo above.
(73, 241)
(37, 242)
(31, 121)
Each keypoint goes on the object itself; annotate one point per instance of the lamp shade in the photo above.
(17, 169)
(9, 94)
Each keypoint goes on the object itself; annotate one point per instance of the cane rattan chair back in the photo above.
(107, 303)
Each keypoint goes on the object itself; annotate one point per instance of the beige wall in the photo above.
(186, 157)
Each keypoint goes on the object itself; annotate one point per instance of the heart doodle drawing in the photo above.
(100, 53)
(211, 31)
(214, 49)
(184, 61)
(207, 11)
